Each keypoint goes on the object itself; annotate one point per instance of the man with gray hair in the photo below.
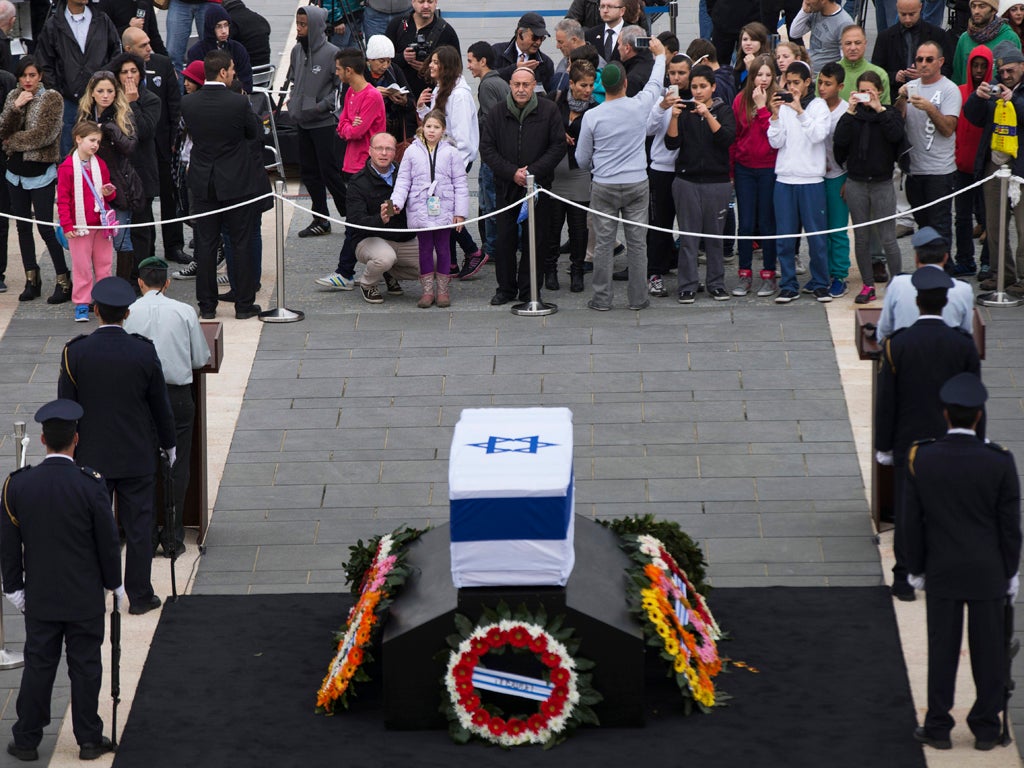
(8, 14)
(568, 37)
(638, 62)
(611, 144)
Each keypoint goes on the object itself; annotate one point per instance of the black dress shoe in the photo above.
(921, 736)
(902, 590)
(177, 255)
(551, 281)
(228, 296)
(250, 311)
(207, 314)
(137, 609)
(26, 754)
(499, 298)
(576, 281)
(985, 746)
(92, 751)
(622, 275)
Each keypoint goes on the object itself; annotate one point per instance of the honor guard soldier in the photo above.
(117, 378)
(58, 552)
(963, 542)
(916, 362)
(173, 327)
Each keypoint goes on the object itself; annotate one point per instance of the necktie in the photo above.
(522, 57)
(609, 46)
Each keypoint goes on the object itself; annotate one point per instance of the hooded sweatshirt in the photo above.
(243, 69)
(967, 133)
(312, 73)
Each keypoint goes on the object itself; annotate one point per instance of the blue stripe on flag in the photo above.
(513, 685)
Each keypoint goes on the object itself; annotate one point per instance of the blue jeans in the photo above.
(69, 120)
(347, 39)
(179, 26)
(885, 14)
(488, 203)
(796, 204)
(123, 241)
(934, 12)
(376, 23)
(756, 213)
(704, 24)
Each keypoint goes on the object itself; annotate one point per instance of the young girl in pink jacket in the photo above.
(431, 186)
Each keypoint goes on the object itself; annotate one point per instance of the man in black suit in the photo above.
(118, 379)
(896, 47)
(58, 552)
(162, 81)
(605, 36)
(915, 364)
(963, 539)
(222, 125)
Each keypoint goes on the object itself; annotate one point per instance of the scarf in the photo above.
(97, 182)
(528, 107)
(577, 105)
(986, 33)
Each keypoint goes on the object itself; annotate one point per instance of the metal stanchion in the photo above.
(13, 659)
(673, 11)
(281, 314)
(1000, 298)
(534, 307)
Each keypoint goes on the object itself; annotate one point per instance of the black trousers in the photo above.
(661, 247)
(23, 203)
(135, 513)
(578, 232)
(320, 167)
(238, 222)
(184, 410)
(43, 640)
(988, 663)
(143, 238)
(174, 234)
(924, 189)
(511, 270)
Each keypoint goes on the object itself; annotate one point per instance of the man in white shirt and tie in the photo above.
(605, 36)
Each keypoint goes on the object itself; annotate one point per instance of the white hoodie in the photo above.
(460, 113)
(800, 140)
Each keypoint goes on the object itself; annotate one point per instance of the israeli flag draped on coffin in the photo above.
(510, 482)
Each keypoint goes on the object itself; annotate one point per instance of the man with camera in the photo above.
(416, 36)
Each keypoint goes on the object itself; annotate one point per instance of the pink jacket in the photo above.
(413, 183)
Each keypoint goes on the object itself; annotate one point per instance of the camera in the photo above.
(421, 48)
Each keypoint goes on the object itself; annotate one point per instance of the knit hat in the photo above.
(1005, 5)
(380, 47)
(993, 4)
(1007, 53)
(196, 72)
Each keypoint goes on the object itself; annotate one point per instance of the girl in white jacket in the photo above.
(798, 129)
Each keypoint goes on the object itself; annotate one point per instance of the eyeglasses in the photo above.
(925, 59)
(609, 7)
(384, 149)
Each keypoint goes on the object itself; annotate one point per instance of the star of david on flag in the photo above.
(497, 444)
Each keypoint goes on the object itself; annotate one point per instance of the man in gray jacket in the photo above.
(311, 107)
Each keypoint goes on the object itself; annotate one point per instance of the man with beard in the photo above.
(984, 28)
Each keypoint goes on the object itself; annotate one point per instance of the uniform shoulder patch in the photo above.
(925, 441)
(140, 337)
(996, 447)
(90, 472)
(79, 337)
(22, 469)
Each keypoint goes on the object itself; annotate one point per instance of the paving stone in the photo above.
(872, 569)
(610, 468)
(611, 490)
(418, 437)
(335, 536)
(809, 487)
(352, 369)
(815, 431)
(847, 549)
(818, 524)
(660, 489)
(802, 409)
(745, 465)
(725, 582)
(641, 361)
(774, 550)
(394, 385)
(293, 496)
(261, 473)
(327, 472)
(564, 363)
(376, 494)
(286, 557)
(644, 434)
(832, 464)
(746, 432)
(229, 558)
(586, 382)
(393, 416)
(277, 419)
(465, 383)
(690, 380)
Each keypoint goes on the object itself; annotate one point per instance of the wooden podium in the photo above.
(868, 349)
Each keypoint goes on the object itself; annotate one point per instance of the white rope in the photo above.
(677, 232)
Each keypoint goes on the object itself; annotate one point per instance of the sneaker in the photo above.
(838, 288)
(223, 280)
(769, 283)
(866, 295)
(599, 307)
(984, 273)
(806, 288)
(394, 287)
(642, 305)
(3, 287)
(822, 295)
(188, 273)
(82, 313)
(964, 269)
(316, 229)
(719, 294)
(472, 265)
(743, 287)
(687, 297)
(656, 286)
(336, 281)
(785, 297)
(371, 294)
(800, 268)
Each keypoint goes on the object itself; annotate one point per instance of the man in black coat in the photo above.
(118, 380)
(525, 135)
(221, 173)
(415, 36)
(134, 14)
(524, 51)
(916, 362)
(58, 552)
(963, 540)
(896, 47)
(251, 30)
(65, 66)
(162, 82)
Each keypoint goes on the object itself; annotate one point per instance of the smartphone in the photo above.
(642, 42)
(690, 104)
(863, 98)
(912, 89)
(673, 91)
(784, 96)
(390, 208)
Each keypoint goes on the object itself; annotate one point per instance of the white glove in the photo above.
(172, 455)
(1014, 586)
(884, 458)
(917, 582)
(17, 599)
(119, 597)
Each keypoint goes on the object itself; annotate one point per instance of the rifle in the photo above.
(115, 669)
(170, 529)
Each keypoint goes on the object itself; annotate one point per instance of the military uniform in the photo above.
(962, 533)
(916, 362)
(59, 550)
(118, 380)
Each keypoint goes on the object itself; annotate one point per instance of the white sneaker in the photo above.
(336, 281)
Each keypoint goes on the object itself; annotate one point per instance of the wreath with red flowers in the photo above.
(564, 691)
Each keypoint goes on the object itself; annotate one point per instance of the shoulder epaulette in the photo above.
(90, 472)
(924, 441)
(997, 447)
(79, 337)
(913, 454)
(142, 338)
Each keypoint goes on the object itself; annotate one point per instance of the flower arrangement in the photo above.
(676, 619)
(378, 586)
(565, 694)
